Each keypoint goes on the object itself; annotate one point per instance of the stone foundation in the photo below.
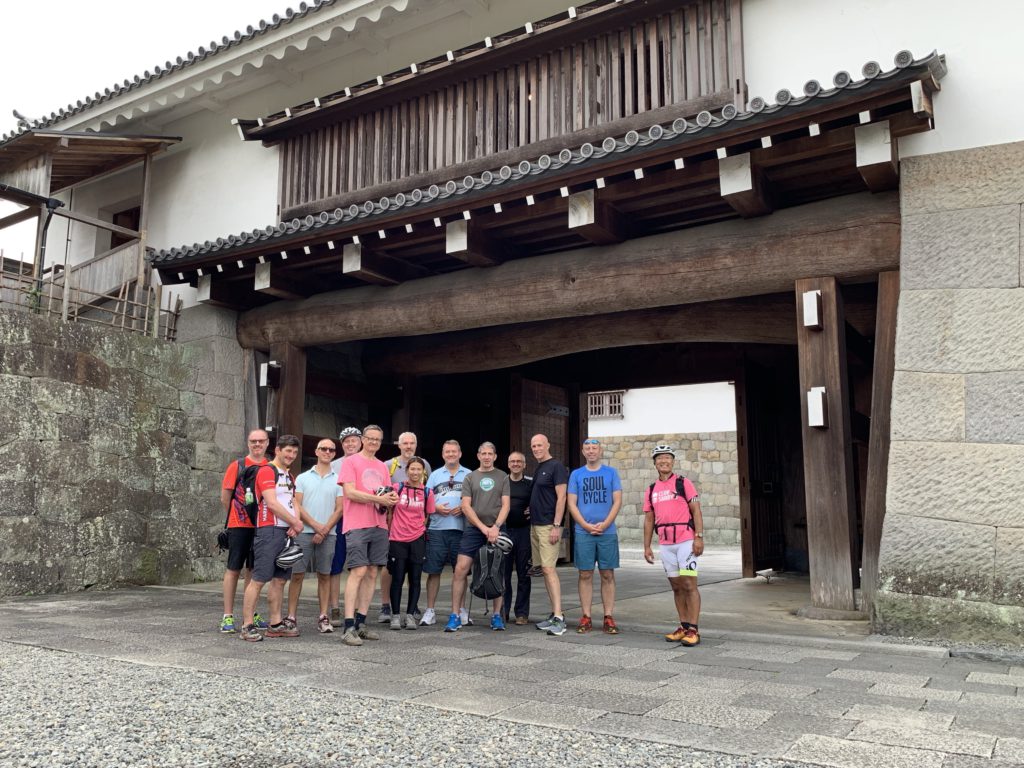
(952, 556)
(708, 459)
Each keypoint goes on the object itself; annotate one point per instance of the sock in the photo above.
(360, 619)
(559, 616)
(229, 615)
(686, 625)
(350, 623)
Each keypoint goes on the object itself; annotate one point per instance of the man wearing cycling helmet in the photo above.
(351, 442)
(671, 508)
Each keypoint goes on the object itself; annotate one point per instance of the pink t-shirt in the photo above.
(408, 521)
(671, 508)
(368, 475)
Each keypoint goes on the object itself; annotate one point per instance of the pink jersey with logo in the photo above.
(671, 508)
(408, 521)
(368, 475)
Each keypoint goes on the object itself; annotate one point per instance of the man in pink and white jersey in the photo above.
(671, 508)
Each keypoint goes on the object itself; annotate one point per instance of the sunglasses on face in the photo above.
(327, 448)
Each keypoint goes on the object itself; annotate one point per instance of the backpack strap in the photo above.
(393, 467)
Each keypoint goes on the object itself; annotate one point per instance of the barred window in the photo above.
(605, 405)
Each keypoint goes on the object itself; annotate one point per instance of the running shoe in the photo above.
(367, 634)
(411, 622)
(586, 624)
(610, 627)
(282, 630)
(250, 634)
(454, 623)
(351, 637)
(545, 625)
(290, 621)
(465, 618)
(429, 619)
(690, 638)
(416, 614)
(497, 624)
(336, 620)
(557, 627)
(396, 621)
(522, 621)
(676, 635)
(323, 624)
(384, 615)
(227, 625)
(259, 622)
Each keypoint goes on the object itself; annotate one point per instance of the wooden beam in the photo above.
(877, 156)
(468, 242)
(743, 473)
(852, 237)
(594, 220)
(859, 346)
(273, 286)
(743, 186)
(360, 263)
(329, 384)
(216, 293)
(97, 223)
(290, 401)
(16, 218)
(765, 320)
(878, 440)
(828, 456)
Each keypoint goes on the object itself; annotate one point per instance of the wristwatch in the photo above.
(699, 535)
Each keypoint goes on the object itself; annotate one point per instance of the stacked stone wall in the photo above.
(952, 556)
(113, 446)
(708, 459)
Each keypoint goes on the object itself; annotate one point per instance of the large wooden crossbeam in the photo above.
(851, 237)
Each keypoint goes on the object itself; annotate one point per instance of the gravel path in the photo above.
(60, 708)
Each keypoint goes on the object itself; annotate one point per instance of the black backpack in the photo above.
(488, 573)
(680, 491)
(245, 487)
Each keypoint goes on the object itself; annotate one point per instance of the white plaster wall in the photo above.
(788, 42)
(669, 410)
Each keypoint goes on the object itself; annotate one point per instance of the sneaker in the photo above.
(522, 621)
(396, 621)
(586, 624)
(429, 619)
(545, 625)
(557, 627)
(411, 622)
(282, 630)
(465, 618)
(351, 637)
(323, 624)
(368, 634)
(690, 638)
(454, 623)
(676, 635)
(250, 634)
(497, 623)
(610, 627)
(259, 622)
(417, 614)
(336, 620)
(290, 621)
(227, 625)
(384, 614)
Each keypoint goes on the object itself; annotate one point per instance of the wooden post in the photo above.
(743, 470)
(290, 405)
(828, 458)
(141, 276)
(878, 441)
(515, 411)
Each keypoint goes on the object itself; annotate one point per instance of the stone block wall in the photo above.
(708, 459)
(952, 556)
(113, 446)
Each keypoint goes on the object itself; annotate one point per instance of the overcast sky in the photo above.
(57, 52)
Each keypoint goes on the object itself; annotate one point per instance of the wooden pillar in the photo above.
(290, 400)
(743, 470)
(828, 457)
(142, 266)
(878, 440)
(515, 415)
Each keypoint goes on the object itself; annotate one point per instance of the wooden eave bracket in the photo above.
(269, 281)
(743, 186)
(215, 293)
(467, 242)
(877, 156)
(360, 262)
(594, 220)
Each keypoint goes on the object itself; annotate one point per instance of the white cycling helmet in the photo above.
(290, 555)
(663, 448)
(504, 543)
(350, 432)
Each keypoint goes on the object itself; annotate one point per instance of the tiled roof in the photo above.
(679, 129)
(190, 59)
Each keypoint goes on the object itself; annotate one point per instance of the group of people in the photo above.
(357, 513)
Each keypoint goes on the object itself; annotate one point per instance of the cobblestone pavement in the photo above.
(480, 697)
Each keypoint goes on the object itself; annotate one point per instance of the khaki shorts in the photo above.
(544, 553)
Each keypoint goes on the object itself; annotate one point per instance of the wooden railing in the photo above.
(677, 57)
(107, 272)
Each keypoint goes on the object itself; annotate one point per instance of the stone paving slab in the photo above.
(980, 745)
(843, 753)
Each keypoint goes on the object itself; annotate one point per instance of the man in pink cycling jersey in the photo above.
(671, 508)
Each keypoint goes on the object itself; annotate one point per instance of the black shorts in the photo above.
(414, 552)
(240, 548)
(270, 541)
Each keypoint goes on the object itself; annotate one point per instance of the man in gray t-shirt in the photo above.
(485, 503)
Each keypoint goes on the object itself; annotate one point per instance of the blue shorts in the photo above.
(442, 550)
(338, 564)
(472, 540)
(603, 549)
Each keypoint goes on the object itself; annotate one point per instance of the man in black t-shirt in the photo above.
(547, 508)
(517, 526)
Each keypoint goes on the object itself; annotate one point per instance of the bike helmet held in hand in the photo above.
(504, 543)
(290, 555)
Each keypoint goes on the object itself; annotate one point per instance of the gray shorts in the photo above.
(366, 546)
(266, 546)
(315, 557)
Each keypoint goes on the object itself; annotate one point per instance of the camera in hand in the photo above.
(384, 490)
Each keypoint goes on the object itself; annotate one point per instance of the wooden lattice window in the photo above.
(605, 405)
